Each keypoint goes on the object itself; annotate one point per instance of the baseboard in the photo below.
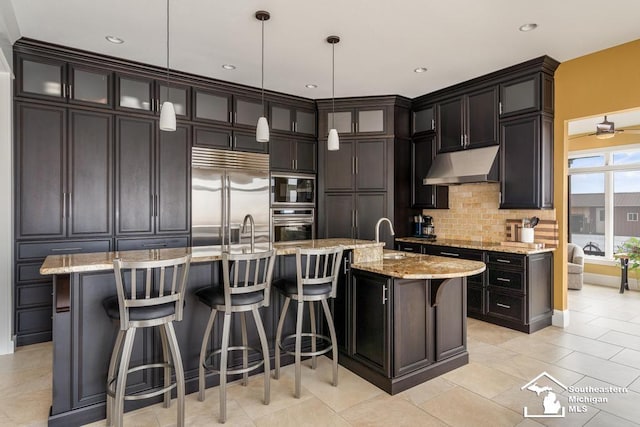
(560, 318)
(610, 281)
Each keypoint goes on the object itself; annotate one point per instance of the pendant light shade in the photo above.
(167, 116)
(262, 129)
(167, 112)
(333, 142)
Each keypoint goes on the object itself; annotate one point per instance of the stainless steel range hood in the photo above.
(460, 167)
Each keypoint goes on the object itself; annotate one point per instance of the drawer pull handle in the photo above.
(65, 249)
(407, 249)
(154, 245)
(506, 261)
(502, 279)
(503, 305)
(449, 254)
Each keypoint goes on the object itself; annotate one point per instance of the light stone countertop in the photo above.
(99, 261)
(416, 266)
(471, 244)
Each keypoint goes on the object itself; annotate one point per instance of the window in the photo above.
(604, 199)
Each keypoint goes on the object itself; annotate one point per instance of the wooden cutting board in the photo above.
(545, 232)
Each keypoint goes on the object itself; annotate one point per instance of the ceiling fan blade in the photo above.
(584, 135)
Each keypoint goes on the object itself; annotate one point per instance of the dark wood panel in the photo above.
(482, 118)
(371, 165)
(370, 207)
(338, 168)
(173, 181)
(90, 174)
(520, 163)
(450, 317)
(41, 164)
(338, 215)
(412, 333)
(134, 175)
(450, 119)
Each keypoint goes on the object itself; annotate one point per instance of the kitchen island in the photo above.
(83, 335)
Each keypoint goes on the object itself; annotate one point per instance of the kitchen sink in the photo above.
(394, 256)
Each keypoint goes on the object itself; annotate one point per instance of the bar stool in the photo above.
(158, 301)
(246, 287)
(316, 279)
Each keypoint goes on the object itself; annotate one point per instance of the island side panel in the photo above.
(449, 299)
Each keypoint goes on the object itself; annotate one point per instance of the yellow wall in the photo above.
(602, 82)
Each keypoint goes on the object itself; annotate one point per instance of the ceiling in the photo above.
(382, 41)
(624, 119)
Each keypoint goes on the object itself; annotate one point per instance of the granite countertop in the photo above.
(416, 266)
(471, 244)
(98, 261)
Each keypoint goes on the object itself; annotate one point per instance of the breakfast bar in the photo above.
(401, 319)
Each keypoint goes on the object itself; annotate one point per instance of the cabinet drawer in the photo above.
(506, 279)
(409, 247)
(33, 295)
(33, 320)
(43, 249)
(140, 244)
(452, 252)
(30, 272)
(505, 306)
(506, 259)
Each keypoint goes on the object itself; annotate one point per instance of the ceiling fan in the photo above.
(607, 129)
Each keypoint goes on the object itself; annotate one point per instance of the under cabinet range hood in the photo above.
(460, 167)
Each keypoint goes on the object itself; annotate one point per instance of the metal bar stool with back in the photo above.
(316, 280)
(246, 287)
(150, 294)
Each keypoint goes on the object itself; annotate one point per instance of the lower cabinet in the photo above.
(515, 291)
(402, 332)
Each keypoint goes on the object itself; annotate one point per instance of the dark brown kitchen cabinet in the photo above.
(152, 178)
(212, 137)
(528, 94)
(526, 162)
(371, 310)
(468, 121)
(246, 141)
(423, 120)
(247, 111)
(423, 151)
(341, 304)
(357, 117)
(354, 215)
(292, 119)
(72, 195)
(359, 165)
(338, 218)
(57, 80)
(292, 155)
(212, 106)
(135, 93)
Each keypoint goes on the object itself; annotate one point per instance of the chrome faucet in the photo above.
(380, 221)
(253, 230)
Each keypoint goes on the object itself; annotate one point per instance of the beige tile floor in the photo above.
(600, 348)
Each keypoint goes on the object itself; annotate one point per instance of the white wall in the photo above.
(9, 33)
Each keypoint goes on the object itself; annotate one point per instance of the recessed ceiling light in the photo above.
(420, 70)
(114, 39)
(229, 67)
(528, 27)
(311, 86)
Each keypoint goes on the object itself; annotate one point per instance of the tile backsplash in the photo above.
(474, 214)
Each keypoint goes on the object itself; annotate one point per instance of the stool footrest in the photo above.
(307, 353)
(156, 392)
(250, 367)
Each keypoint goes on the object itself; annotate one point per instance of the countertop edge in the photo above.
(487, 246)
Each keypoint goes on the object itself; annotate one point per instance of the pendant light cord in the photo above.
(167, 50)
(333, 84)
(262, 84)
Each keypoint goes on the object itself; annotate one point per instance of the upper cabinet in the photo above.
(247, 111)
(468, 121)
(145, 95)
(528, 94)
(212, 106)
(423, 120)
(423, 150)
(354, 121)
(292, 119)
(50, 79)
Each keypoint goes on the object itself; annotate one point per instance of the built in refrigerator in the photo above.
(227, 186)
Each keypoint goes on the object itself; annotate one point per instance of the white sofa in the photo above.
(575, 268)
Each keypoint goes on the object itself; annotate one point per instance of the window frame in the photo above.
(609, 168)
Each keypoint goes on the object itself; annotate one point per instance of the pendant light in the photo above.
(262, 130)
(167, 112)
(333, 143)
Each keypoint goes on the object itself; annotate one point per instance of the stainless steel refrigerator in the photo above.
(226, 186)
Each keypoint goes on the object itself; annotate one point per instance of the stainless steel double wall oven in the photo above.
(293, 199)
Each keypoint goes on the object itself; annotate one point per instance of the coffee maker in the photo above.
(423, 227)
(428, 229)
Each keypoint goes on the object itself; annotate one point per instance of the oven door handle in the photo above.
(291, 223)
